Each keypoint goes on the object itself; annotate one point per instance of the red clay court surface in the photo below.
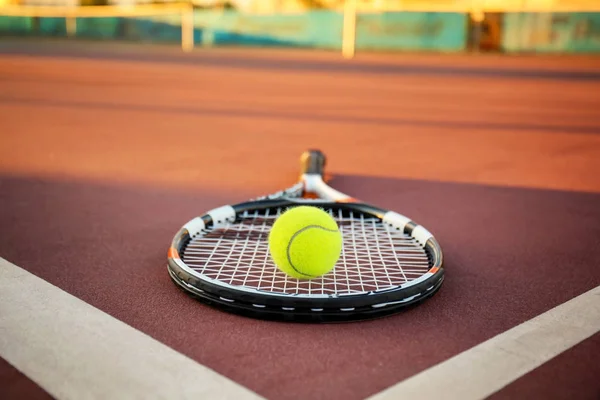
(106, 150)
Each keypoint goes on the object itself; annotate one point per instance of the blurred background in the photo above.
(122, 119)
(349, 26)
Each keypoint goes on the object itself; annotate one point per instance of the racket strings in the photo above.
(375, 256)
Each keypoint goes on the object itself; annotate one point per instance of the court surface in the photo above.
(107, 149)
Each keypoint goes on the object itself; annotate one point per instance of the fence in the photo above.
(475, 11)
(72, 13)
(350, 25)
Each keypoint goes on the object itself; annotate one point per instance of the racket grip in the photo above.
(313, 162)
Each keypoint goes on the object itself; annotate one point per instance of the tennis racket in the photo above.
(388, 262)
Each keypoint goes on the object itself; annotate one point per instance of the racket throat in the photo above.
(314, 186)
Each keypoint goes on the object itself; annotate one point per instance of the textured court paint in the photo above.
(249, 94)
(489, 366)
(128, 278)
(551, 32)
(556, 379)
(119, 184)
(75, 351)
(14, 385)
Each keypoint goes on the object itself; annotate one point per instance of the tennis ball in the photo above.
(305, 242)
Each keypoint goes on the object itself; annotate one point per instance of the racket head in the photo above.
(387, 263)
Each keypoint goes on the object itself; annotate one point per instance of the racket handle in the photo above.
(312, 162)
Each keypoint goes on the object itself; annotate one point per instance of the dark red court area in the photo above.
(106, 150)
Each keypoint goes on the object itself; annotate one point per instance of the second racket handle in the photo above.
(312, 162)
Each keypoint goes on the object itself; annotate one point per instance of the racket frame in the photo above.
(298, 306)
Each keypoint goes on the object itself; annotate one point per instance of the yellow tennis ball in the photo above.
(305, 242)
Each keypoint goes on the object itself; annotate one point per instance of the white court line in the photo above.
(75, 351)
(488, 367)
